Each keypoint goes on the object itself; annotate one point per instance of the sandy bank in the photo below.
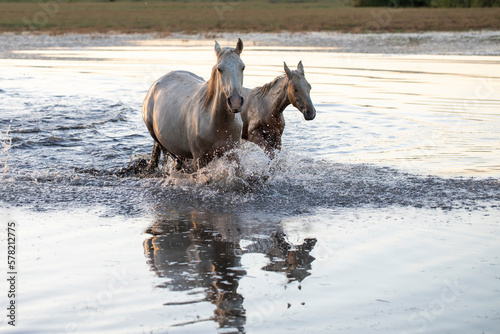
(451, 43)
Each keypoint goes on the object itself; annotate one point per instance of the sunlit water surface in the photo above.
(380, 214)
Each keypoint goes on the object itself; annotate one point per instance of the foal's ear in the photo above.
(217, 49)
(239, 46)
(300, 68)
(287, 71)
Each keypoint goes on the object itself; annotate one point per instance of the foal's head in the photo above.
(230, 72)
(298, 91)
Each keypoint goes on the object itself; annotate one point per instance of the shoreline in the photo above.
(485, 42)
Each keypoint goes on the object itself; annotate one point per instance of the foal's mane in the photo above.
(263, 90)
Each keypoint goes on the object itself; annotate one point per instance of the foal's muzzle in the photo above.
(309, 114)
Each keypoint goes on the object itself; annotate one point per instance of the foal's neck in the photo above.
(278, 97)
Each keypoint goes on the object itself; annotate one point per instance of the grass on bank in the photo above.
(60, 16)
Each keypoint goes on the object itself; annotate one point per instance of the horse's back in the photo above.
(180, 83)
(172, 91)
(164, 104)
(175, 78)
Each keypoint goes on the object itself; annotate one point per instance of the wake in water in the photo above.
(93, 152)
(290, 183)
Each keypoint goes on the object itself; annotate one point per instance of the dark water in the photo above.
(372, 208)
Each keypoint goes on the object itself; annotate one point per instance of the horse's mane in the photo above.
(263, 90)
(211, 86)
(212, 82)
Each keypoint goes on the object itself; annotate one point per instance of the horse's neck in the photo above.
(219, 106)
(277, 97)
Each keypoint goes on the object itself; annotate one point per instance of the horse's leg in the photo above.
(155, 157)
(166, 154)
(179, 164)
(235, 156)
(199, 162)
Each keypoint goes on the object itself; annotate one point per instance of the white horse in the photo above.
(189, 118)
(262, 114)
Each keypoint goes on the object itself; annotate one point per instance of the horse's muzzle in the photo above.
(309, 114)
(235, 104)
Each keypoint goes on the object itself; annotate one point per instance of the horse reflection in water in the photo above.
(202, 250)
(296, 260)
(192, 253)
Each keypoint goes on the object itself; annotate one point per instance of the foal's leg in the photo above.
(155, 157)
(261, 138)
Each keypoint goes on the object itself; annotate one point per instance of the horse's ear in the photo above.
(217, 49)
(287, 71)
(300, 68)
(239, 46)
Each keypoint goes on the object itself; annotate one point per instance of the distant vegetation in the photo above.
(335, 3)
(200, 16)
(355, 3)
(428, 3)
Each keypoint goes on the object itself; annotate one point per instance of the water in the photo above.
(381, 214)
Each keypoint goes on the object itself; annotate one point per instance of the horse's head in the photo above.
(298, 91)
(230, 71)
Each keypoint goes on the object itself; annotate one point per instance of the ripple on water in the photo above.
(289, 183)
(69, 150)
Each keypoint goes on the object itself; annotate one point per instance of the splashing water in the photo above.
(5, 154)
(79, 149)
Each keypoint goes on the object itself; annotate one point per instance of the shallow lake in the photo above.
(381, 214)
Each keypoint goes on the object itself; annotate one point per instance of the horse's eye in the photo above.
(243, 68)
(219, 69)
